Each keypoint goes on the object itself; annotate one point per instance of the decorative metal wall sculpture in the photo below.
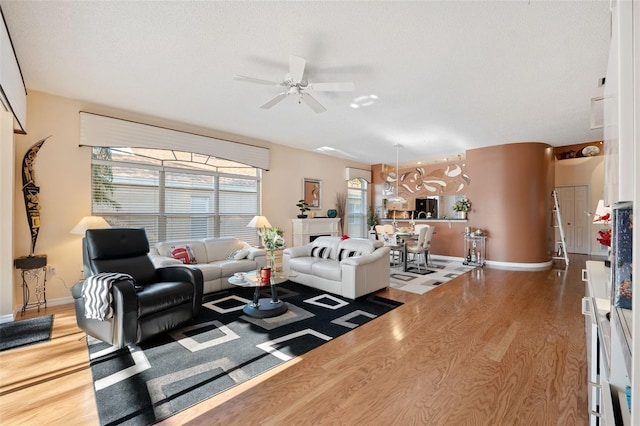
(430, 180)
(30, 191)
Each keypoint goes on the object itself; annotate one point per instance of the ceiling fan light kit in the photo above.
(295, 84)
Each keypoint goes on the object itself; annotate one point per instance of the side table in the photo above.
(33, 270)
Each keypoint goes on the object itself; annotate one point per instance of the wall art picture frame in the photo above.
(312, 192)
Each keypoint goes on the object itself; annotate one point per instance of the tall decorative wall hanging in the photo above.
(30, 191)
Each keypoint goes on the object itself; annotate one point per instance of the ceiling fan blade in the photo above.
(274, 101)
(296, 68)
(332, 87)
(313, 104)
(257, 80)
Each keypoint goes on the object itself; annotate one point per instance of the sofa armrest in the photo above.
(297, 251)
(366, 258)
(160, 261)
(255, 252)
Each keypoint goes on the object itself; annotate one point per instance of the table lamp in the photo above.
(89, 222)
(259, 222)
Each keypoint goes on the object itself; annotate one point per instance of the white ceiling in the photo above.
(449, 76)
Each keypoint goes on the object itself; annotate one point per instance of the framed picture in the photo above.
(312, 192)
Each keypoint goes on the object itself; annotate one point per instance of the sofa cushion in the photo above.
(303, 264)
(210, 271)
(327, 269)
(197, 248)
(219, 248)
(230, 267)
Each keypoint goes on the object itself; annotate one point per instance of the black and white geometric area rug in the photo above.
(439, 272)
(144, 384)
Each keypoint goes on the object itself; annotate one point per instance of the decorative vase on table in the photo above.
(272, 260)
(461, 214)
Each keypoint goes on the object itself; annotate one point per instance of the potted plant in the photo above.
(303, 207)
(461, 207)
(372, 218)
(273, 240)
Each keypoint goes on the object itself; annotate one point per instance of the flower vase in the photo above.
(272, 260)
(461, 215)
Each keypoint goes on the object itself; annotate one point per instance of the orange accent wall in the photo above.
(510, 190)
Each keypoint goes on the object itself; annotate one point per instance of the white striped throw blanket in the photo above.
(96, 291)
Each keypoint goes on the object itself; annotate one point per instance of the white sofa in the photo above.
(351, 268)
(210, 255)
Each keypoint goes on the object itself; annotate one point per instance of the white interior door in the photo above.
(573, 202)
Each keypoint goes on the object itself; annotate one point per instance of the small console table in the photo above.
(474, 247)
(33, 270)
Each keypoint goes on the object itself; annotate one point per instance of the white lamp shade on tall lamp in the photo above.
(259, 222)
(90, 222)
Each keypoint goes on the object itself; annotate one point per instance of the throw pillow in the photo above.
(238, 254)
(184, 254)
(344, 253)
(321, 252)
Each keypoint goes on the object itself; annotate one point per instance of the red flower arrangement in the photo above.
(604, 237)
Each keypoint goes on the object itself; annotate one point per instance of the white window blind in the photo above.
(172, 203)
(98, 130)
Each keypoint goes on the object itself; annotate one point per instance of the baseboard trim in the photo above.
(6, 318)
(503, 265)
(51, 302)
(541, 266)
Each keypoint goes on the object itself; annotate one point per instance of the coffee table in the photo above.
(264, 307)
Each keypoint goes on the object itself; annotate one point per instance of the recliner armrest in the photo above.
(187, 274)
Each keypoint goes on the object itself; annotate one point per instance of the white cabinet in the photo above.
(608, 354)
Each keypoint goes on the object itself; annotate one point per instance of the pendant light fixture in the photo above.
(397, 198)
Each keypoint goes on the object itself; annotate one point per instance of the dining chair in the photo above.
(395, 253)
(418, 249)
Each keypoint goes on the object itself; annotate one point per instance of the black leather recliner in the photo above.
(159, 299)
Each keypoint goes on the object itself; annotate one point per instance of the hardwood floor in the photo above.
(492, 347)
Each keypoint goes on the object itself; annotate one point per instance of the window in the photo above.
(173, 194)
(357, 207)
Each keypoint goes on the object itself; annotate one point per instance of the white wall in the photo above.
(585, 171)
(62, 171)
(6, 215)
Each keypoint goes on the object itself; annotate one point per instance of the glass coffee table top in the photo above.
(263, 307)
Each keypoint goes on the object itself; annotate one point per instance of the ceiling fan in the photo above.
(295, 84)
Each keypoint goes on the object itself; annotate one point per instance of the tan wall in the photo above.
(585, 171)
(6, 214)
(62, 170)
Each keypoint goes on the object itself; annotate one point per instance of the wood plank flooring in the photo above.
(492, 347)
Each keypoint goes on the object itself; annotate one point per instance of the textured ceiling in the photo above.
(449, 76)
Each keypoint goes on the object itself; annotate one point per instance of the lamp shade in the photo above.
(90, 222)
(259, 222)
